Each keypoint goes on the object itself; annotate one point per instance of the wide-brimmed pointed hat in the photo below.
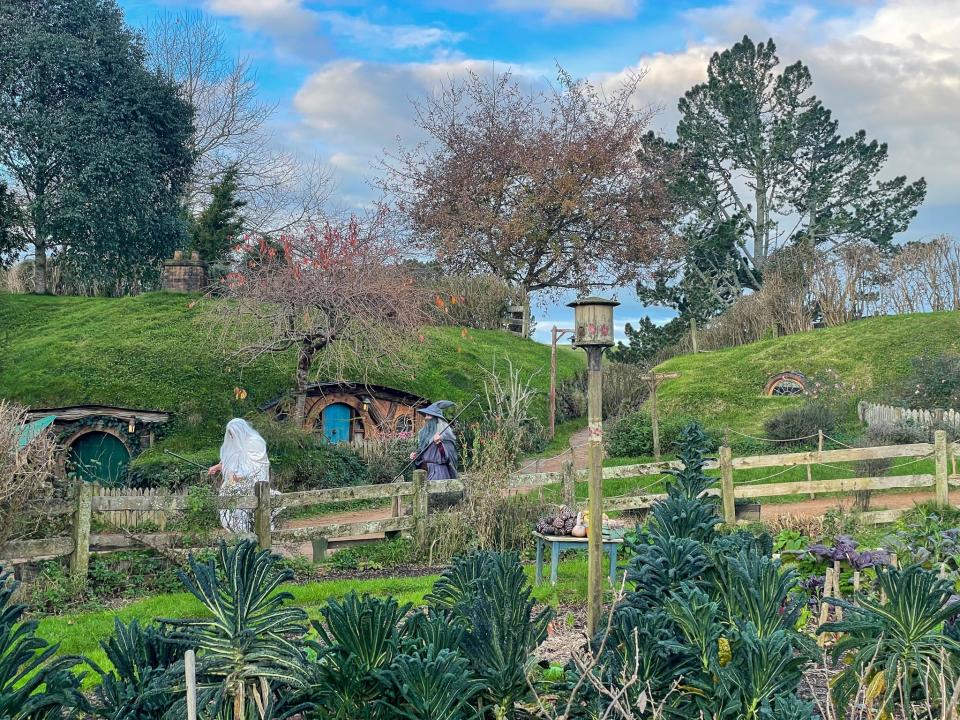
(436, 409)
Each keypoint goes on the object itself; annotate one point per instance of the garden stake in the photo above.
(824, 606)
(190, 671)
(837, 611)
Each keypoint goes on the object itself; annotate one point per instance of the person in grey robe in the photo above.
(436, 444)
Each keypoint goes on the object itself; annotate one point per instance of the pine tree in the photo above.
(215, 230)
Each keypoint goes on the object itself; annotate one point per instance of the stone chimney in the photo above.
(185, 276)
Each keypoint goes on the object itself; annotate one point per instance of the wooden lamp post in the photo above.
(594, 333)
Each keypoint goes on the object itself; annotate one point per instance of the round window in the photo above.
(786, 384)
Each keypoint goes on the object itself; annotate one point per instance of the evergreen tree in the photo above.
(215, 230)
(764, 167)
(95, 145)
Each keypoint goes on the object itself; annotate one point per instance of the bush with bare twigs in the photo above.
(488, 517)
(26, 473)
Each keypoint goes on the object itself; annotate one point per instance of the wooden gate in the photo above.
(129, 519)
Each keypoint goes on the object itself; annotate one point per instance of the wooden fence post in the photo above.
(261, 515)
(726, 486)
(80, 558)
(941, 471)
(569, 486)
(421, 505)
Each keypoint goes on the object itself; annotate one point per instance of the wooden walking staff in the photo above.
(655, 378)
(594, 333)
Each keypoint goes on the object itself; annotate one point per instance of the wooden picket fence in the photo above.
(888, 416)
(410, 501)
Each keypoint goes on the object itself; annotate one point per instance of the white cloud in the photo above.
(396, 37)
(359, 109)
(293, 27)
(573, 9)
(299, 30)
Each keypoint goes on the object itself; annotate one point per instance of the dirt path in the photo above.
(818, 506)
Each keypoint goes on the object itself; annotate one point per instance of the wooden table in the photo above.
(559, 543)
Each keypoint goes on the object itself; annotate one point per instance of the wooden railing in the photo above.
(85, 505)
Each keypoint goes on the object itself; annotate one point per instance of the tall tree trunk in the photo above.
(761, 243)
(304, 362)
(40, 268)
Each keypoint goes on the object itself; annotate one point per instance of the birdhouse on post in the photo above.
(593, 323)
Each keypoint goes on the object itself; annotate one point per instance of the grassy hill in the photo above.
(156, 351)
(724, 388)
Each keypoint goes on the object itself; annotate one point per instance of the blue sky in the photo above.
(343, 73)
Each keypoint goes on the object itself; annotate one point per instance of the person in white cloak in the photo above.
(243, 463)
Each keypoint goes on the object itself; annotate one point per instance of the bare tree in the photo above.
(282, 191)
(338, 294)
(546, 190)
(26, 472)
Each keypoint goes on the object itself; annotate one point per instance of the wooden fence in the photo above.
(132, 518)
(415, 495)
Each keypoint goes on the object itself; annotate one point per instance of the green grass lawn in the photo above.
(81, 633)
(724, 388)
(158, 351)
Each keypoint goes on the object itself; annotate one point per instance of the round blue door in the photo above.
(336, 423)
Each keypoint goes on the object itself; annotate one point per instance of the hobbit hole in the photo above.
(786, 384)
(353, 412)
(99, 441)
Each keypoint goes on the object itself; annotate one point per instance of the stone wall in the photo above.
(181, 275)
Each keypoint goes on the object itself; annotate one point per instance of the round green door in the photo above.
(99, 457)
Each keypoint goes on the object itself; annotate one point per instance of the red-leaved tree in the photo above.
(337, 295)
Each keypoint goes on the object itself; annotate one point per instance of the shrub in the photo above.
(385, 457)
(301, 461)
(496, 604)
(629, 435)
(933, 382)
(470, 649)
(474, 301)
(140, 683)
(798, 427)
(572, 397)
(379, 555)
(26, 473)
(487, 517)
(247, 657)
(623, 391)
(708, 628)
(156, 469)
